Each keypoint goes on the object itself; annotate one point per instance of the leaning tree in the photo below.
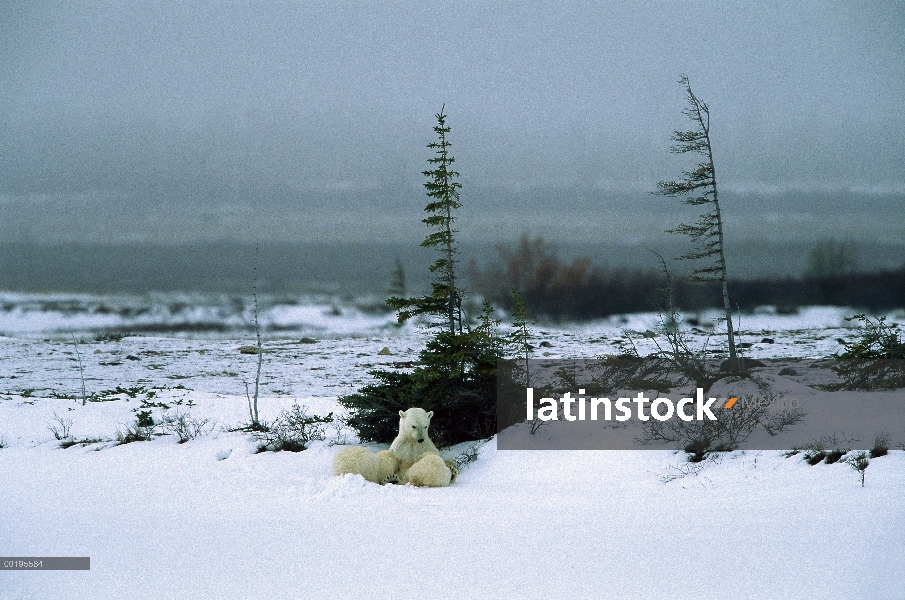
(698, 188)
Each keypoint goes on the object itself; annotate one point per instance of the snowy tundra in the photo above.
(215, 518)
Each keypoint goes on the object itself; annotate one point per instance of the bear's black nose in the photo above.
(421, 440)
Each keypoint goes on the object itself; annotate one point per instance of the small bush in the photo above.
(859, 462)
(833, 456)
(82, 442)
(292, 430)
(876, 359)
(135, 433)
(828, 449)
(813, 457)
(144, 418)
(60, 428)
(881, 446)
(143, 428)
(701, 438)
(183, 425)
(467, 457)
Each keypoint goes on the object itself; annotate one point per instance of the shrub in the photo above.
(813, 457)
(183, 425)
(144, 418)
(135, 433)
(859, 462)
(700, 438)
(828, 449)
(881, 446)
(876, 340)
(82, 442)
(60, 429)
(292, 430)
(833, 456)
(469, 456)
(876, 359)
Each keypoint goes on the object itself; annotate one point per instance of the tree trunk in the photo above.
(724, 279)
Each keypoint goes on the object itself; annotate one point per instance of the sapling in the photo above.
(859, 462)
(253, 408)
(81, 368)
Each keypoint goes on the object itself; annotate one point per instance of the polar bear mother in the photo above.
(412, 457)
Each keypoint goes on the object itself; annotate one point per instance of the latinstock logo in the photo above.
(661, 409)
(646, 403)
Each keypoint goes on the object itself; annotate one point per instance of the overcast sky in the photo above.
(135, 111)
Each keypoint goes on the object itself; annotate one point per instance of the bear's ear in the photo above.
(430, 414)
(402, 414)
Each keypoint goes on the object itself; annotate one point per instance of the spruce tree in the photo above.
(455, 375)
(698, 188)
(520, 336)
(445, 300)
(397, 287)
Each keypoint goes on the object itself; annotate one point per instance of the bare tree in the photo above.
(698, 188)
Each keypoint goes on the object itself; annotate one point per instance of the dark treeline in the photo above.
(581, 290)
(567, 288)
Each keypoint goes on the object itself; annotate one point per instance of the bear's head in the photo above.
(414, 422)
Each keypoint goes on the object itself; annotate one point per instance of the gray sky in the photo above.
(143, 120)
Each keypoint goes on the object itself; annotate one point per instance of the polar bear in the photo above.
(376, 468)
(412, 457)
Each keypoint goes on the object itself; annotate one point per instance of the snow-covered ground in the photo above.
(211, 518)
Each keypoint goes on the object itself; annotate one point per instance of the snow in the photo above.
(211, 518)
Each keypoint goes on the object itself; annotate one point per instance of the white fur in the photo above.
(376, 468)
(412, 457)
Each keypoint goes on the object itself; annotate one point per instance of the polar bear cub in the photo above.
(376, 468)
(412, 457)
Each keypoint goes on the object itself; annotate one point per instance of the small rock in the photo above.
(131, 357)
(384, 352)
(768, 341)
(745, 344)
(788, 371)
(307, 340)
(546, 344)
(841, 341)
(649, 334)
(247, 350)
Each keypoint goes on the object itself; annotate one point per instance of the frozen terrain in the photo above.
(212, 518)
